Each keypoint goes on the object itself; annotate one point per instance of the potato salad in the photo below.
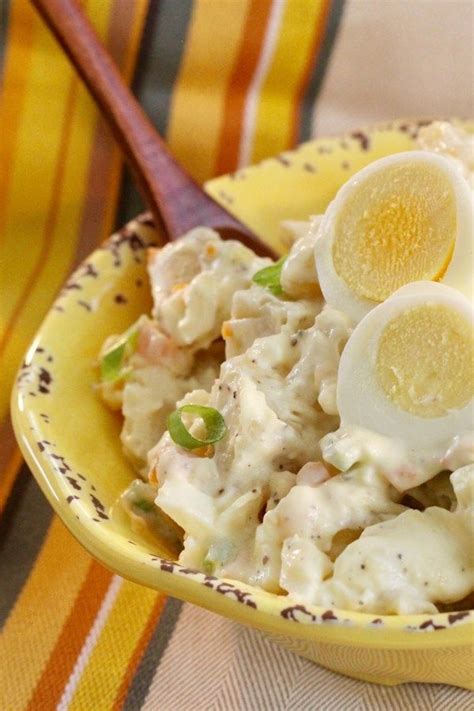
(307, 425)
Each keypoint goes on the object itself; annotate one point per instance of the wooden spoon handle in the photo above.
(172, 195)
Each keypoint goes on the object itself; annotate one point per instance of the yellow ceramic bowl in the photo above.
(71, 441)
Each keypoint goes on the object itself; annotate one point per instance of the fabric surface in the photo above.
(228, 82)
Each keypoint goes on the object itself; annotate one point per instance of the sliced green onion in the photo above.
(269, 277)
(220, 553)
(215, 425)
(144, 505)
(112, 363)
(209, 566)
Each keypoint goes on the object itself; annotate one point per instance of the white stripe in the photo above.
(253, 95)
(90, 642)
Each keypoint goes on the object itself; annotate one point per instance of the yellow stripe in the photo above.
(37, 156)
(103, 674)
(274, 129)
(35, 623)
(211, 48)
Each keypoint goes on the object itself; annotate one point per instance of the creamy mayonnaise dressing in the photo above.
(193, 281)
(452, 142)
(290, 500)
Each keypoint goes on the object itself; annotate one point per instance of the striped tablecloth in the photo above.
(228, 82)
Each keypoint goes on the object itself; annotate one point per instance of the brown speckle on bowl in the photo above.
(456, 616)
(430, 623)
(328, 615)
(362, 138)
(89, 269)
(283, 160)
(35, 374)
(99, 507)
(129, 237)
(84, 305)
(232, 591)
(298, 613)
(45, 379)
(71, 285)
(60, 463)
(74, 483)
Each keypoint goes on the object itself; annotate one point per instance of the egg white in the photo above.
(361, 399)
(458, 274)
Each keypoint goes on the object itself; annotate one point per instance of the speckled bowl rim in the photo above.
(236, 600)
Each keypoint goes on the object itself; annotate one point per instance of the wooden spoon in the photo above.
(174, 198)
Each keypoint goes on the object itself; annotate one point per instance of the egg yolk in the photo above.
(397, 226)
(425, 361)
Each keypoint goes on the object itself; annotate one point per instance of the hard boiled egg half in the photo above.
(407, 371)
(404, 218)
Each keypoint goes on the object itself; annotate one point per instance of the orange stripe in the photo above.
(61, 662)
(58, 177)
(46, 242)
(244, 68)
(21, 33)
(139, 652)
(34, 624)
(320, 29)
